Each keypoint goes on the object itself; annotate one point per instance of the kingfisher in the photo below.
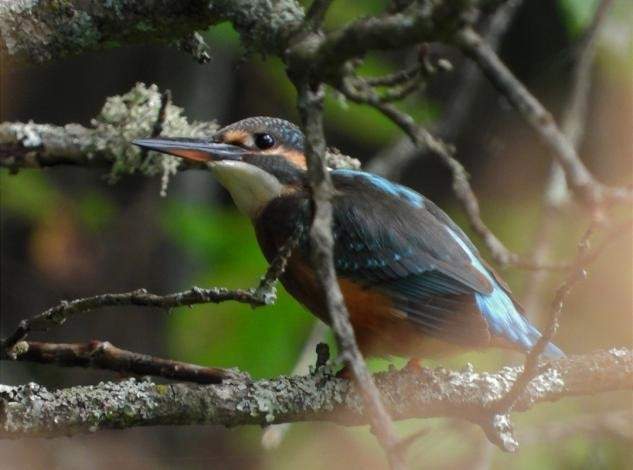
(414, 285)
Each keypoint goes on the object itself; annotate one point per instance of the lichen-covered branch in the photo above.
(141, 112)
(34, 32)
(107, 143)
(32, 410)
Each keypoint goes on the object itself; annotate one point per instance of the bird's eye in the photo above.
(264, 141)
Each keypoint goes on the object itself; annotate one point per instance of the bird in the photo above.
(414, 284)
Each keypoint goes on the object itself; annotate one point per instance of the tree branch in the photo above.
(138, 113)
(264, 294)
(103, 355)
(58, 315)
(357, 90)
(556, 193)
(32, 410)
(310, 103)
(578, 176)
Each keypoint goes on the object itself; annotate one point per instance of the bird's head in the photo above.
(255, 159)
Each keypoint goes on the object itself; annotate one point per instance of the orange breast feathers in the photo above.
(380, 328)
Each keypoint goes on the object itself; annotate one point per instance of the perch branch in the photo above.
(32, 410)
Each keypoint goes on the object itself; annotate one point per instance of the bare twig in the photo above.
(31, 410)
(165, 100)
(266, 289)
(264, 294)
(391, 161)
(103, 355)
(356, 90)
(322, 244)
(396, 78)
(573, 124)
(159, 124)
(66, 309)
(530, 367)
(316, 14)
(588, 189)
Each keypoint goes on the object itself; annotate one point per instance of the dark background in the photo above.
(66, 232)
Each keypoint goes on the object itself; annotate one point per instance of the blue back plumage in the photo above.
(407, 194)
(390, 238)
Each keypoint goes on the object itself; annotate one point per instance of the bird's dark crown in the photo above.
(284, 133)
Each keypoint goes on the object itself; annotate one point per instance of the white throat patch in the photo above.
(251, 187)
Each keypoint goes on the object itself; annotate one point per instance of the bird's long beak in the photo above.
(193, 149)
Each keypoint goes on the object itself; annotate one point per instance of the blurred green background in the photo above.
(66, 232)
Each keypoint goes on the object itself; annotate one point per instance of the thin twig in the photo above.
(264, 294)
(396, 78)
(316, 14)
(530, 367)
(586, 187)
(58, 315)
(355, 89)
(573, 125)
(165, 101)
(157, 128)
(103, 355)
(391, 161)
(322, 244)
(266, 288)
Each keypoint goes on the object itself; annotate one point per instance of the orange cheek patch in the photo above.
(296, 158)
(293, 156)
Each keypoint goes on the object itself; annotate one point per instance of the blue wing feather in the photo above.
(423, 261)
